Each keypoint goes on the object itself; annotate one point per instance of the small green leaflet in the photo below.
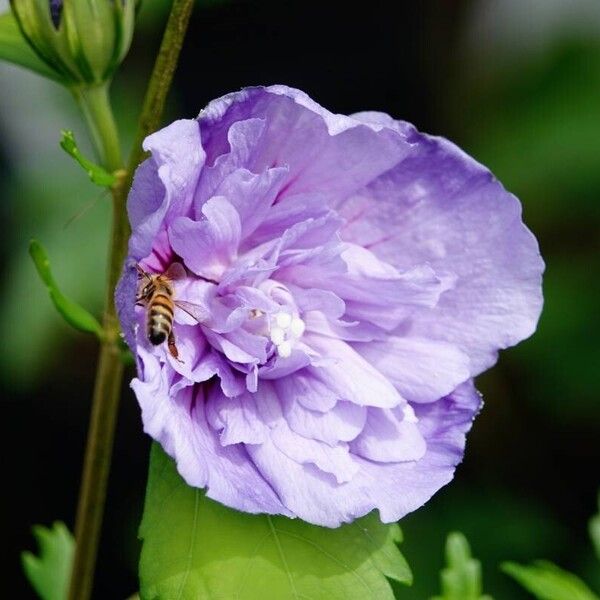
(73, 313)
(194, 548)
(461, 579)
(49, 572)
(15, 49)
(546, 581)
(95, 172)
(594, 529)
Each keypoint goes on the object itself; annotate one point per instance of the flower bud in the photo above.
(82, 41)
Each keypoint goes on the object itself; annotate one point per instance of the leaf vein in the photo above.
(252, 557)
(282, 556)
(328, 555)
(188, 567)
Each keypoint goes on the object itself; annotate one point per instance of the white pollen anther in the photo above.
(277, 335)
(283, 320)
(297, 327)
(284, 349)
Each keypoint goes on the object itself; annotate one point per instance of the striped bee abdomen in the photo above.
(160, 317)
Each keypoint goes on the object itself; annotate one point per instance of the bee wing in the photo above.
(175, 271)
(197, 312)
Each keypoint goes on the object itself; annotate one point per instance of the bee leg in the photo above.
(173, 347)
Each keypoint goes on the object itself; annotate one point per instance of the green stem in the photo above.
(98, 113)
(95, 106)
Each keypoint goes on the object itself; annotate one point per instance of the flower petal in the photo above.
(365, 386)
(342, 423)
(439, 206)
(394, 488)
(389, 437)
(422, 370)
(209, 246)
(327, 153)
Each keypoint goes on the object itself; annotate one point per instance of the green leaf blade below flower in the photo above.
(49, 572)
(196, 548)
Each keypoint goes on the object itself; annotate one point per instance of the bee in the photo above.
(157, 294)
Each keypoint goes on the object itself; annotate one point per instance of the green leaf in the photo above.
(96, 173)
(195, 548)
(594, 529)
(15, 49)
(49, 572)
(546, 581)
(461, 579)
(73, 313)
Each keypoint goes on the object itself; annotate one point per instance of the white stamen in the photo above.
(284, 349)
(283, 320)
(297, 327)
(409, 414)
(277, 335)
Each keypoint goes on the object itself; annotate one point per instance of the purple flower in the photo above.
(355, 275)
(55, 10)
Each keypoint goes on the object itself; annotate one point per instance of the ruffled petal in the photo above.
(349, 376)
(389, 437)
(395, 489)
(164, 184)
(422, 370)
(333, 155)
(179, 423)
(209, 246)
(342, 423)
(439, 206)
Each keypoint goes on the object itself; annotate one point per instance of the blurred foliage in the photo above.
(49, 572)
(536, 124)
(546, 581)
(461, 579)
(594, 529)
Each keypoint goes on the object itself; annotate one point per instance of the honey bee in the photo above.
(157, 294)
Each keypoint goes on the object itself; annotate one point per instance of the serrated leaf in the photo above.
(546, 581)
(73, 313)
(461, 579)
(15, 49)
(49, 572)
(96, 173)
(594, 529)
(195, 548)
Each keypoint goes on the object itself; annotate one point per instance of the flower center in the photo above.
(285, 329)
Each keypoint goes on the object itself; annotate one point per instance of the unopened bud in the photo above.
(82, 41)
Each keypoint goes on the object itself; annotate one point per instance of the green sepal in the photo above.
(546, 581)
(15, 49)
(194, 547)
(96, 173)
(461, 579)
(49, 572)
(594, 529)
(90, 41)
(73, 313)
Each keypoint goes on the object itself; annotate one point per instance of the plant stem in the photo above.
(97, 110)
(95, 106)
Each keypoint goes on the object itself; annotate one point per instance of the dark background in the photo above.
(515, 83)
